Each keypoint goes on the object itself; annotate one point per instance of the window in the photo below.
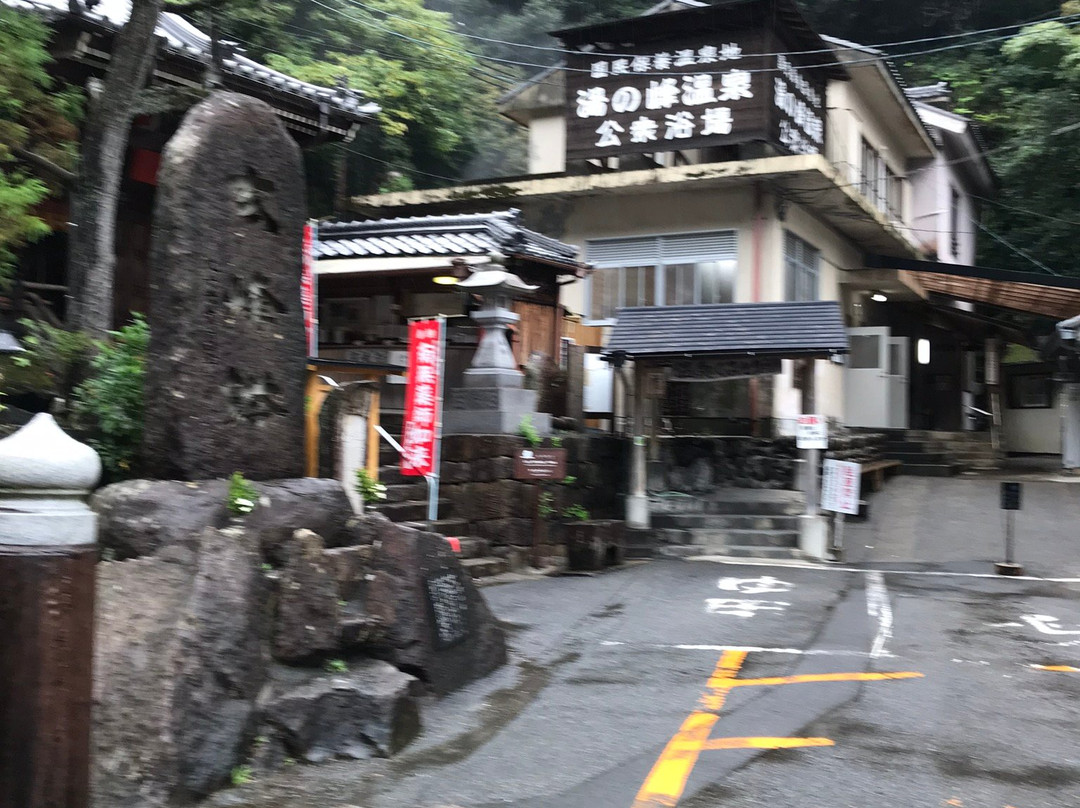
(802, 266)
(675, 270)
(880, 184)
(1031, 392)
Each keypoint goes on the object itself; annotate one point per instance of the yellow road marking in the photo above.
(667, 779)
(669, 774)
(766, 743)
(1057, 668)
(825, 677)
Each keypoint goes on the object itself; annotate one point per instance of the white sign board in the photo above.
(840, 486)
(812, 432)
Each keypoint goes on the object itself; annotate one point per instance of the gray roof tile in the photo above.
(788, 329)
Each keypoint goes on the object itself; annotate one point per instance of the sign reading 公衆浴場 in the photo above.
(679, 88)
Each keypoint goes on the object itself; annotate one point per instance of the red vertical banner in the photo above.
(308, 296)
(422, 399)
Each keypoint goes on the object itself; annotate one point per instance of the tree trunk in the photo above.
(91, 250)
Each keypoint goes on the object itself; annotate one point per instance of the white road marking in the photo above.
(727, 560)
(1046, 624)
(750, 649)
(735, 607)
(754, 586)
(877, 606)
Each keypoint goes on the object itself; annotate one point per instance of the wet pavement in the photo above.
(707, 684)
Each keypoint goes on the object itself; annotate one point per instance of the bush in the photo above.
(111, 400)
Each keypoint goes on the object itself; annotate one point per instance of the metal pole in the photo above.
(433, 478)
(1009, 526)
(48, 554)
(810, 480)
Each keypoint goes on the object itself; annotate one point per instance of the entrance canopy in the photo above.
(1047, 295)
(730, 330)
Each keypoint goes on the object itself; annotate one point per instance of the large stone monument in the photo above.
(493, 399)
(227, 353)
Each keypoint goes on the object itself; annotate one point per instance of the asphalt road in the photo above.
(666, 683)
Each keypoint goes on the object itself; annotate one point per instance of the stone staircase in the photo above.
(752, 523)
(926, 453)
(406, 503)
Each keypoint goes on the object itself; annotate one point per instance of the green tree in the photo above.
(36, 132)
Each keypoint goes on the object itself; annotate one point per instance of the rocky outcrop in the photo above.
(148, 517)
(440, 627)
(369, 710)
(208, 657)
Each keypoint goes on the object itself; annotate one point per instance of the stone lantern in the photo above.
(493, 399)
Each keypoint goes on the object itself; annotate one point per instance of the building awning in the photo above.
(1047, 295)
(781, 330)
(394, 265)
(437, 240)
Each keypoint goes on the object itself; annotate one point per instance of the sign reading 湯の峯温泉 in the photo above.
(709, 87)
(840, 486)
(423, 399)
(540, 464)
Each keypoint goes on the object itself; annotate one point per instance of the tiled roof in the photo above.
(452, 235)
(787, 329)
(185, 39)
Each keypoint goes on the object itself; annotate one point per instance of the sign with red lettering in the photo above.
(840, 486)
(423, 399)
(812, 432)
(307, 291)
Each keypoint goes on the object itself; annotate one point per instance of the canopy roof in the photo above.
(440, 238)
(814, 329)
(1047, 295)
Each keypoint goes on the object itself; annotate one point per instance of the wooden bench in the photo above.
(875, 472)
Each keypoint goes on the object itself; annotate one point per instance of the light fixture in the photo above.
(445, 280)
(922, 351)
(878, 297)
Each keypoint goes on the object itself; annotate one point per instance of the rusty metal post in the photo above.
(47, 555)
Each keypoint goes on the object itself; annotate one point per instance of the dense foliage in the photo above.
(34, 115)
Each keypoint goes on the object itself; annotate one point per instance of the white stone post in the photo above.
(48, 552)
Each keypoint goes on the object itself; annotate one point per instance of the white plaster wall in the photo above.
(547, 145)
(1036, 431)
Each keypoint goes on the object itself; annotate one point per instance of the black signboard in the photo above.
(1010, 496)
(448, 607)
(698, 89)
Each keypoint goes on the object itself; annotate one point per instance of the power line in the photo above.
(565, 68)
(1014, 248)
(550, 49)
(1025, 210)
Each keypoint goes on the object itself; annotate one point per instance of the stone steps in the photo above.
(444, 527)
(414, 511)
(692, 550)
(725, 521)
(485, 567)
(716, 538)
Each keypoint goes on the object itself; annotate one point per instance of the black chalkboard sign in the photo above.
(448, 607)
(1010, 496)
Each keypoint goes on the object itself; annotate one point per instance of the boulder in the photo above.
(440, 627)
(140, 517)
(179, 661)
(144, 517)
(308, 618)
(370, 710)
(311, 503)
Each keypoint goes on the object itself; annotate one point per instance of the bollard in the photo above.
(47, 555)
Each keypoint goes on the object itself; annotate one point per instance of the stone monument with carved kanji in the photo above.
(227, 352)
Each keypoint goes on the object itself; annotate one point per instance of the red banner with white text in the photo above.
(422, 399)
(308, 294)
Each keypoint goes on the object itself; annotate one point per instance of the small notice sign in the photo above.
(540, 464)
(1010, 496)
(840, 486)
(812, 432)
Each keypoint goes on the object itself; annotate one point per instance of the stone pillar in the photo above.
(637, 502)
(1070, 426)
(47, 559)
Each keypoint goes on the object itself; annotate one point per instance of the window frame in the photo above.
(797, 268)
(660, 268)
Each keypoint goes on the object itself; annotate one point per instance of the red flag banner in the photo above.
(422, 402)
(307, 291)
